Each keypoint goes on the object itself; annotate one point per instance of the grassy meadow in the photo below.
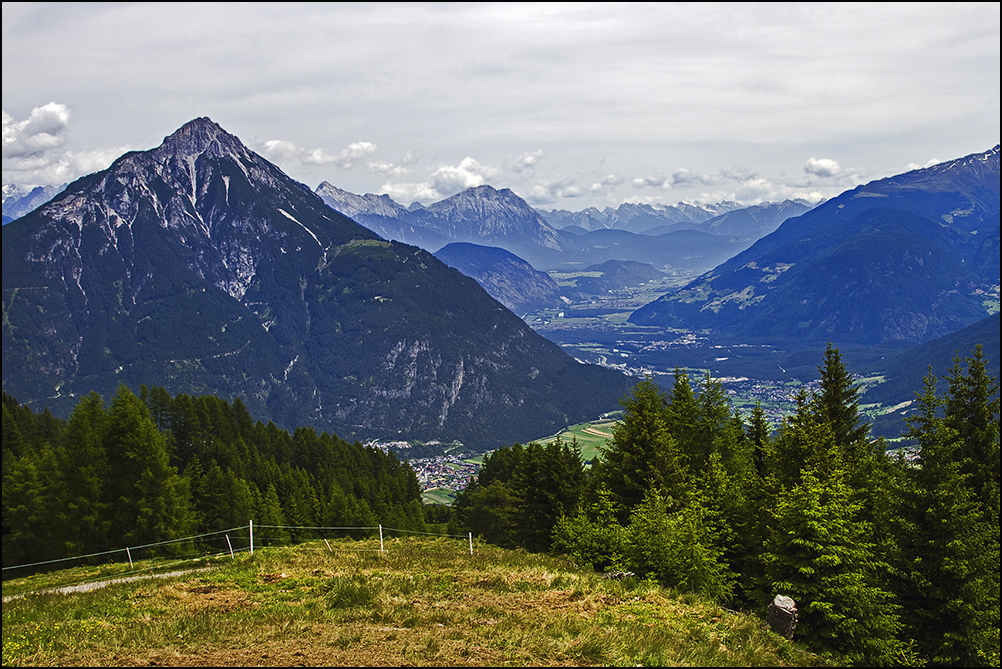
(591, 437)
(424, 601)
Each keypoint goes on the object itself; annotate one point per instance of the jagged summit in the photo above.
(353, 205)
(483, 199)
(485, 214)
(201, 267)
(199, 135)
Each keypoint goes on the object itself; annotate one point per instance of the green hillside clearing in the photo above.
(424, 601)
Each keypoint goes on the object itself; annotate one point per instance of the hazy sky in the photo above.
(568, 105)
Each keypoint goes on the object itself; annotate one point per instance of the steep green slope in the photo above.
(906, 258)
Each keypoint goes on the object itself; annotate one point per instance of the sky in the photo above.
(569, 105)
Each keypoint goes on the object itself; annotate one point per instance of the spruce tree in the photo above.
(971, 409)
(643, 454)
(818, 553)
(948, 560)
(85, 474)
(149, 501)
(837, 403)
(679, 546)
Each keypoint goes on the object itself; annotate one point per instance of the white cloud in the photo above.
(280, 150)
(527, 160)
(548, 192)
(915, 166)
(606, 184)
(821, 167)
(684, 178)
(41, 132)
(284, 151)
(755, 189)
(653, 181)
(405, 193)
(395, 169)
(449, 180)
(34, 153)
(446, 180)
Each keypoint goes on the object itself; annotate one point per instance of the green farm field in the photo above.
(591, 437)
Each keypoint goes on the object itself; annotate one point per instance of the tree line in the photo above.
(152, 468)
(889, 561)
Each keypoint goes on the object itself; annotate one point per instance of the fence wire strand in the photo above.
(275, 541)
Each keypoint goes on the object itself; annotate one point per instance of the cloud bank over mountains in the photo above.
(568, 106)
(35, 153)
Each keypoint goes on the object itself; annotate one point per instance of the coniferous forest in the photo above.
(153, 468)
(889, 561)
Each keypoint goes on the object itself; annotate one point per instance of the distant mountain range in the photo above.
(200, 267)
(19, 200)
(680, 236)
(638, 218)
(908, 258)
(724, 218)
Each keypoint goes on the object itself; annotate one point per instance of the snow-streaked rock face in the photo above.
(184, 186)
(481, 215)
(484, 214)
(352, 205)
(200, 267)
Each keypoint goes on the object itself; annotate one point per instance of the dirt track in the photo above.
(94, 585)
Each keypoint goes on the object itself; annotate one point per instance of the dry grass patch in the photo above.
(424, 602)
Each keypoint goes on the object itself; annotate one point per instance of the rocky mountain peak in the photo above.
(200, 266)
(485, 201)
(353, 205)
(198, 136)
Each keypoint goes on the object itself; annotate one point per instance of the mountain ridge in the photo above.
(200, 267)
(899, 258)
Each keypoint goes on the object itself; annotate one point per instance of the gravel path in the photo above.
(94, 585)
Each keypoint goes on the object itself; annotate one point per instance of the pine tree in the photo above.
(971, 409)
(593, 536)
(546, 485)
(643, 455)
(85, 474)
(759, 434)
(680, 547)
(948, 561)
(271, 519)
(819, 555)
(837, 403)
(149, 502)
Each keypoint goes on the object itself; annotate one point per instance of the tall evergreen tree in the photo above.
(85, 474)
(971, 409)
(643, 454)
(150, 502)
(837, 403)
(819, 555)
(546, 485)
(948, 559)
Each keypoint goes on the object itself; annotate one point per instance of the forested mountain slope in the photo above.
(907, 258)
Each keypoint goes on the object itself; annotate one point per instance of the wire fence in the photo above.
(199, 551)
